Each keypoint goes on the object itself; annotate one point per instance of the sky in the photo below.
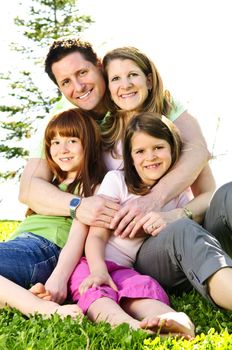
(189, 41)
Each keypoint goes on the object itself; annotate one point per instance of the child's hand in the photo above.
(97, 279)
(40, 291)
(57, 288)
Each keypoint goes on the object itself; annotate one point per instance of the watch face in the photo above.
(74, 202)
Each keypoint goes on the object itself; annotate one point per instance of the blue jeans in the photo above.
(28, 259)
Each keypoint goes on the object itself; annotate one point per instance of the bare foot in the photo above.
(177, 323)
(65, 310)
(49, 308)
(39, 290)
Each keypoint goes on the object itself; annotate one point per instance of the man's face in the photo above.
(80, 81)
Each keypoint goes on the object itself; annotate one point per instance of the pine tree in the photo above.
(27, 98)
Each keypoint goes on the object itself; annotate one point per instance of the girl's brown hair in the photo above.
(77, 123)
(153, 125)
(159, 100)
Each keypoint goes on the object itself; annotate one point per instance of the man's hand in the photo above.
(130, 214)
(97, 210)
(96, 279)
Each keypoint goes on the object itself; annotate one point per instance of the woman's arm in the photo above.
(192, 160)
(95, 254)
(203, 188)
(194, 157)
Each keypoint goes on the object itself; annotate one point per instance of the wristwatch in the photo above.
(73, 205)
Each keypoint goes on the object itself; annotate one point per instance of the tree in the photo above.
(28, 100)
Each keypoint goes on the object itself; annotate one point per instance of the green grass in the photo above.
(213, 328)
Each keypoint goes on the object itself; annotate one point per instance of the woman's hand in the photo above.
(125, 219)
(154, 222)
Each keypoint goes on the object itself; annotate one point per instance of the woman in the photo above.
(134, 85)
(176, 255)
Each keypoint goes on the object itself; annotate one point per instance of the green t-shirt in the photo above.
(176, 111)
(53, 228)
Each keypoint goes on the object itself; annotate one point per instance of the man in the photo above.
(75, 68)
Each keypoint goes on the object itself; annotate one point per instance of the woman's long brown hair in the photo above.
(159, 100)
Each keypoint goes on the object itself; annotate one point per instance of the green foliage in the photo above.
(52, 19)
(213, 327)
(35, 333)
(25, 102)
(211, 340)
(6, 228)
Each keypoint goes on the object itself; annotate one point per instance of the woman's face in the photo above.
(128, 85)
(151, 157)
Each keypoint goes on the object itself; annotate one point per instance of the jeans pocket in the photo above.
(43, 270)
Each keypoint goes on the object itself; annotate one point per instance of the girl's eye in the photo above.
(53, 142)
(74, 140)
(140, 151)
(115, 79)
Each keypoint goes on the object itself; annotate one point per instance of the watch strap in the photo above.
(74, 204)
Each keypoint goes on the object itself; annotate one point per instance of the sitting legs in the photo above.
(148, 314)
(15, 296)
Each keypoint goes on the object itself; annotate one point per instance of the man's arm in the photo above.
(203, 189)
(39, 194)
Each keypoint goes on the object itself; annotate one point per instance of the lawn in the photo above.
(213, 328)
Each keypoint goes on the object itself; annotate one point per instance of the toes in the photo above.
(38, 288)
